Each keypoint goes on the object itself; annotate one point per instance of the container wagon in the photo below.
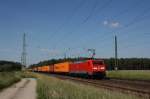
(62, 68)
(45, 68)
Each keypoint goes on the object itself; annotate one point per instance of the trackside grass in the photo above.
(53, 88)
(8, 78)
(130, 74)
(27, 74)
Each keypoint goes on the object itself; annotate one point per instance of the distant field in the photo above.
(8, 78)
(53, 88)
(130, 74)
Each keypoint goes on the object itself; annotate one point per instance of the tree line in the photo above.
(9, 66)
(123, 63)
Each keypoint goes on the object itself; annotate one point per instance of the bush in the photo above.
(9, 66)
(8, 78)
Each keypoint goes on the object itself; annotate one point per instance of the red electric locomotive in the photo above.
(92, 68)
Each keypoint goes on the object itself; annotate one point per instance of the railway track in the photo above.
(138, 88)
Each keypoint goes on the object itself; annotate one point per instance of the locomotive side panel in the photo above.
(81, 68)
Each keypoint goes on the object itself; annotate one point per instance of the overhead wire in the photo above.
(88, 17)
(104, 44)
(136, 19)
(68, 19)
(91, 13)
(141, 18)
(121, 13)
(135, 4)
(94, 8)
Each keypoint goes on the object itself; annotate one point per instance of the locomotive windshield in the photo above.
(97, 62)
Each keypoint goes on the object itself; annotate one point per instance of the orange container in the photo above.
(61, 67)
(45, 68)
(39, 69)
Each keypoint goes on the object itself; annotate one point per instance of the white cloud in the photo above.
(111, 24)
(114, 24)
(105, 22)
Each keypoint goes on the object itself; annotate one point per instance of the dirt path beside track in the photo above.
(25, 89)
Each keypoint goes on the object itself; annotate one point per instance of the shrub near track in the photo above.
(8, 78)
(53, 88)
(130, 74)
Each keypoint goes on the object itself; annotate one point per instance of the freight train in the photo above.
(89, 68)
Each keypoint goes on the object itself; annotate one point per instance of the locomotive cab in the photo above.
(98, 68)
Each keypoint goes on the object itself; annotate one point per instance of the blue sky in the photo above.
(55, 27)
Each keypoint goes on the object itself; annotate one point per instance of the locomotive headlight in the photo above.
(95, 68)
(102, 67)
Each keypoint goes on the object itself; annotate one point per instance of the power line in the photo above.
(88, 17)
(121, 13)
(94, 7)
(132, 44)
(91, 12)
(68, 19)
(137, 19)
(134, 5)
(127, 46)
(101, 8)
